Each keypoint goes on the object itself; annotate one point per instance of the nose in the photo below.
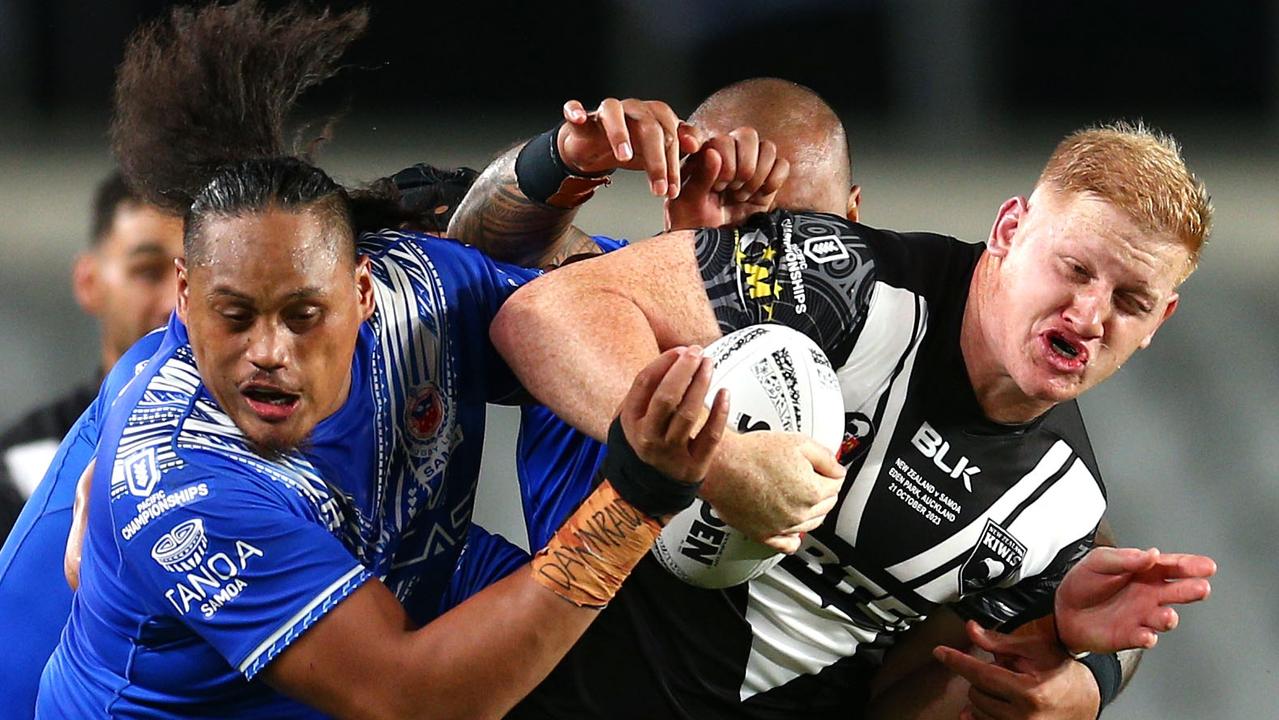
(1088, 311)
(268, 347)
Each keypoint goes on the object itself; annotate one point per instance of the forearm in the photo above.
(365, 660)
(929, 692)
(496, 217)
(481, 658)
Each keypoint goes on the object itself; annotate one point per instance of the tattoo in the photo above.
(497, 218)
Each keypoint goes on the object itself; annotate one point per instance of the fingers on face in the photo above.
(764, 162)
(699, 172)
(747, 155)
(727, 149)
(669, 123)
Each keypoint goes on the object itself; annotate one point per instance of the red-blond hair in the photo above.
(1139, 171)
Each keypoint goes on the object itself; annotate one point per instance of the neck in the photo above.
(109, 357)
(999, 397)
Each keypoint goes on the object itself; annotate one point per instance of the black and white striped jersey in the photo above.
(941, 506)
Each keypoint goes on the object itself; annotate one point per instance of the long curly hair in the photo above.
(203, 103)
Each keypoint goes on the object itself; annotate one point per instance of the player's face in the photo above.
(128, 281)
(1080, 289)
(273, 316)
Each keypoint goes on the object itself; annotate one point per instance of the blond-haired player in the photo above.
(971, 482)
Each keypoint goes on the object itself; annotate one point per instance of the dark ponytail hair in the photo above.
(202, 101)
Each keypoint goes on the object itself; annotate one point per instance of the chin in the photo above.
(271, 440)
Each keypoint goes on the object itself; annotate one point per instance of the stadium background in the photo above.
(951, 106)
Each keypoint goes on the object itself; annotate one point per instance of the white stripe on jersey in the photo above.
(1065, 513)
(793, 634)
(881, 344)
(297, 617)
(964, 540)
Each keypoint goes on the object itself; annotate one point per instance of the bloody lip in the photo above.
(1056, 348)
(270, 404)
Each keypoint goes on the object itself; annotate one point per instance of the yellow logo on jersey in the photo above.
(758, 277)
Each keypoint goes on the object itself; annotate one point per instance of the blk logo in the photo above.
(929, 442)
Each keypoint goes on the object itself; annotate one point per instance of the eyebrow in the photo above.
(149, 248)
(303, 293)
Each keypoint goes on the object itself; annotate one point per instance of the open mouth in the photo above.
(1063, 346)
(1066, 351)
(270, 403)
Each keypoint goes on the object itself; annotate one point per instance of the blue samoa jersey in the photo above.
(34, 597)
(203, 560)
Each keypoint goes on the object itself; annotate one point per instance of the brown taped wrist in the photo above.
(594, 550)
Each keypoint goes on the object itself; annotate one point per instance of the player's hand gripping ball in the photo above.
(778, 379)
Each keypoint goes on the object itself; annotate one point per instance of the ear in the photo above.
(364, 288)
(1007, 220)
(853, 211)
(184, 289)
(85, 283)
(1173, 301)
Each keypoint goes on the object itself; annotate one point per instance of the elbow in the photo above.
(521, 318)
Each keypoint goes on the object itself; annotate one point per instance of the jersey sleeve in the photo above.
(1006, 609)
(476, 286)
(242, 565)
(810, 271)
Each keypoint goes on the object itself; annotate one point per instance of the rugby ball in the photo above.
(778, 379)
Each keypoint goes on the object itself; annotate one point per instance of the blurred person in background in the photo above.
(125, 280)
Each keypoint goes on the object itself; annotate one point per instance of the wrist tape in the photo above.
(1107, 672)
(543, 176)
(594, 550)
(651, 492)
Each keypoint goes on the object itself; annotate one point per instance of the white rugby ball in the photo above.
(778, 379)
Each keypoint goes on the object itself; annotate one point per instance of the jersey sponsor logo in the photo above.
(141, 472)
(825, 248)
(757, 261)
(995, 558)
(213, 583)
(839, 584)
(157, 505)
(929, 442)
(425, 412)
(182, 548)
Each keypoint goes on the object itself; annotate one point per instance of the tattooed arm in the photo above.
(499, 218)
(496, 217)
